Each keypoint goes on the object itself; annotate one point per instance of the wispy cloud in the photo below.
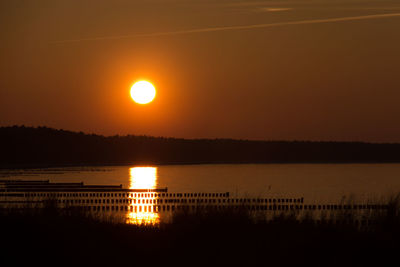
(275, 9)
(233, 28)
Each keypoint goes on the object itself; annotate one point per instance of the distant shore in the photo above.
(42, 147)
(47, 166)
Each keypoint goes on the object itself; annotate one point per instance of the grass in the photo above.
(218, 238)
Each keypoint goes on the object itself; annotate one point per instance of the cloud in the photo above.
(235, 28)
(275, 9)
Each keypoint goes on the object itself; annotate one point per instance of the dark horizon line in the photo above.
(48, 146)
(196, 138)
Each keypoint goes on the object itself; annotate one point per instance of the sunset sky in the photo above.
(269, 70)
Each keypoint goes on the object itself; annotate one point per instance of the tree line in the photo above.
(22, 146)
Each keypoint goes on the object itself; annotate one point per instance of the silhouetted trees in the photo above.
(41, 146)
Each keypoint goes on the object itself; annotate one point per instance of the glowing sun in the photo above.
(143, 92)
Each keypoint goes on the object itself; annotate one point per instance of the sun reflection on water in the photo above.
(143, 177)
(142, 209)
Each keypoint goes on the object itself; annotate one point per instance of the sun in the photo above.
(143, 92)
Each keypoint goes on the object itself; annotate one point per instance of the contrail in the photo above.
(231, 28)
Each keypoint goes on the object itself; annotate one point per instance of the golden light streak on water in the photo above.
(141, 205)
(143, 177)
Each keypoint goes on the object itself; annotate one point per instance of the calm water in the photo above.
(314, 182)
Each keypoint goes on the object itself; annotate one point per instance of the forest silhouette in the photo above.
(45, 147)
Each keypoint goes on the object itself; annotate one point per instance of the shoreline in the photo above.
(49, 166)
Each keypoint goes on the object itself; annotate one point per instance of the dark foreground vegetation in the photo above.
(229, 238)
(46, 147)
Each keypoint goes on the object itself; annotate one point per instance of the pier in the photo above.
(111, 198)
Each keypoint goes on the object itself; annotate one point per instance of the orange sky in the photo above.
(331, 73)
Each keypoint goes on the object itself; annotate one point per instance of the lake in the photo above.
(314, 182)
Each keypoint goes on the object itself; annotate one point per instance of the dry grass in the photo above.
(52, 236)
